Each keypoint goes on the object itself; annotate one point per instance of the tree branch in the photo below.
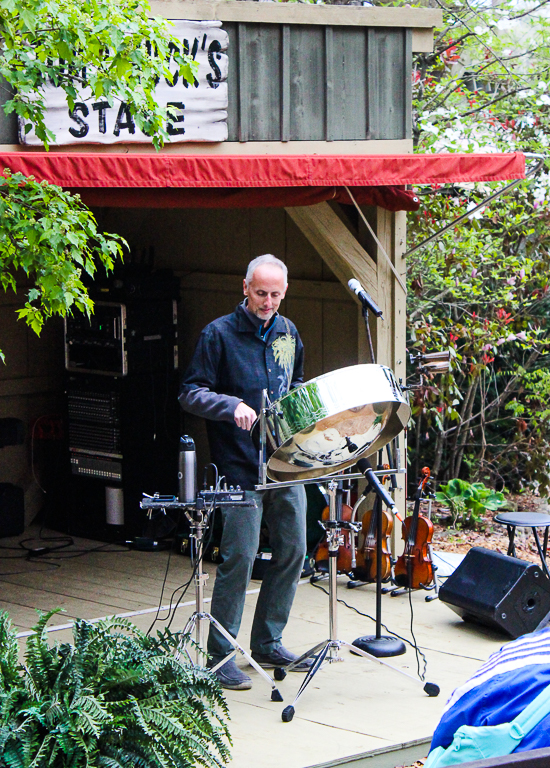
(500, 399)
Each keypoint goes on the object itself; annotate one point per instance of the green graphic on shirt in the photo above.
(284, 348)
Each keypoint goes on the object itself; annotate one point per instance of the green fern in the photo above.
(113, 698)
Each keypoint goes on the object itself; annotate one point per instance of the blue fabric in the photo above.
(232, 364)
(505, 685)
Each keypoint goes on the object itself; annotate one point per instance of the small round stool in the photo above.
(532, 520)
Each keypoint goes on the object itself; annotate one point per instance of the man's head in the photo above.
(265, 285)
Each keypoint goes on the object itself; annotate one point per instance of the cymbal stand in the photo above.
(327, 652)
(198, 517)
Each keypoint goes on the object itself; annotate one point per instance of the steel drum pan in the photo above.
(328, 423)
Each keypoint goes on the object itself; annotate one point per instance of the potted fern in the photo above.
(113, 698)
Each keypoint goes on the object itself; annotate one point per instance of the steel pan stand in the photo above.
(327, 652)
(198, 518)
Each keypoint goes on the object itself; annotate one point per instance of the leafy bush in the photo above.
(115, 698)
(468, 501)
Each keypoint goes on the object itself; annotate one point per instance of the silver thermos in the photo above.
(187, 471)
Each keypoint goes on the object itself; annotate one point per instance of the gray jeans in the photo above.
(284, 512)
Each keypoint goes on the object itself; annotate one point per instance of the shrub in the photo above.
(113, 698)
(468, 501)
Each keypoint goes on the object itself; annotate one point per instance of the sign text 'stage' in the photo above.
(199, 109)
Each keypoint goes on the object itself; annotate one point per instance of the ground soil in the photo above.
(487, 533)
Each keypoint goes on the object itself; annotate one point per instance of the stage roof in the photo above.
(167, 179)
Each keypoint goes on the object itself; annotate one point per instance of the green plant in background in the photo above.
(481, 290)
(113, 698)
(468, 501)
(103, 51)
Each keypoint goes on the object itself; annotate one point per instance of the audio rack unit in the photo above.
(122, 411)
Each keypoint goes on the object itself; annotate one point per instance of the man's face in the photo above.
(265, 291)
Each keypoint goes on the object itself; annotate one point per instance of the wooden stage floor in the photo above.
(352, 713)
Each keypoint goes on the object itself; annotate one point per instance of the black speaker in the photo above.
(12, 510)
(502, 592)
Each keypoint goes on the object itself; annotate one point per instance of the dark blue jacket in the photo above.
(233, 363)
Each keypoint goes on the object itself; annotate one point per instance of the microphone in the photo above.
(187, 471)
(364, 466)
(355, 286)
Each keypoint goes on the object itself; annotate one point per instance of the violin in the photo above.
(369, 528)
(414, 568)
(343, 561)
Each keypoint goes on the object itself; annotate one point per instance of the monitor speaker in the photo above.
(502, 592)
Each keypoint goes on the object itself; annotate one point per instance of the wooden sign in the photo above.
(200, 108)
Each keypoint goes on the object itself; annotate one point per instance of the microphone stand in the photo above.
(377, 645)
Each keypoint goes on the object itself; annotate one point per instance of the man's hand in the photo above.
(244, 416)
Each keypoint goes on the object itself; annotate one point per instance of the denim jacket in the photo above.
(232, 363)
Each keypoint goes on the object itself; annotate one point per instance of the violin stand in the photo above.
(327, 652)
(199, 518)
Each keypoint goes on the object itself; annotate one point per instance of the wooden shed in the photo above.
(304, 82)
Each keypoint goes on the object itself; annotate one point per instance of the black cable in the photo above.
(418, 652)
(68, 542)
(165, 575)
(367, 616)
(200, 557)
(82, 552)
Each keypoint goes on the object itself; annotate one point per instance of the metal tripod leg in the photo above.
(200, 617)
(322, 650)
(430, 688)
(328, 650)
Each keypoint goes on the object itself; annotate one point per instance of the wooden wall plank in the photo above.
(349, 116)
(407, 85)
(261, 58)
(285, 84)
(307, 83)
(373, 90)
(384, 326)
(267, 232)
(339, 336)
(300, 289)
(307, 314)
(233, 96)
(391, 74)
(243, 85)
(329, 84)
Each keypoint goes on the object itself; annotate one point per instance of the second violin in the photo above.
(414, 568)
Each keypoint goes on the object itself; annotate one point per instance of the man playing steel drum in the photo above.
(238, 356)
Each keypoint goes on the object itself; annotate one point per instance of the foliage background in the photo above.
(105, 49)
(482, 290)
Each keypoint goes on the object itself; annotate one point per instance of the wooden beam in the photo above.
(352, 147)
(297, 13)
(336, 245)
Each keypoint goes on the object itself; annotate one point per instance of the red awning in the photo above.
(174, 180)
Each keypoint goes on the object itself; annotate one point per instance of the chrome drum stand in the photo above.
(198, 517)
(327, 652)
